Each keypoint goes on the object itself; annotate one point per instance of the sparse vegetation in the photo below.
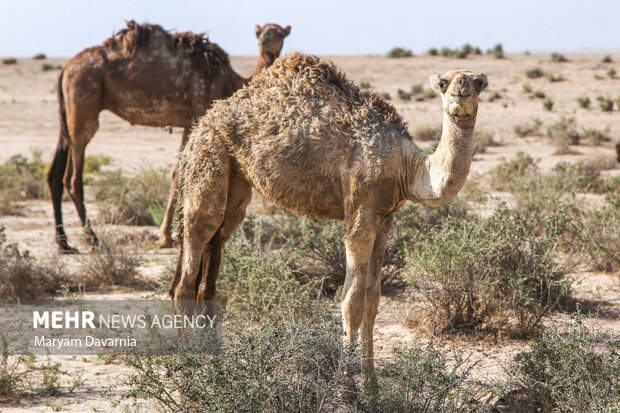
(558, 58)
(534, 73)
(403, 95)
(9, 61)
(606, 104)
(584, 102)
(539, 94)
(39, 56)
(399, 52)
(492, 273)
(497, 51)
(427, 133)
(137, 200)
(482, 140)
(526, 88)
(22, 178)
(528, 129)
(495, 96)
(22, 277)
(564, 133)
(432, 52)
(47, 67)
(611, 73)
(606, 59)
(385, 95)
(548, 105)
(567, 370)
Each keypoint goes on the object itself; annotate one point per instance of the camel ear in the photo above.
(435, 83)
(480, 82)
(257, 29)
(287, 31)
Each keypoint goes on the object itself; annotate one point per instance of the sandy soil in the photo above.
(28, 120)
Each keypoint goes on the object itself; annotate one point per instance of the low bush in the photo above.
(432, 52)
(508, 175)
(611, 73)
(584, 102)
(567, 370)
(497, 51)
(22, 277)
(493, 273)
(482, 140)
(137, 200)
(606, 104)
(110, 264)
(558, 58)
(528, 129)
(534, 73)
(427, 133)
(39, 56)
(22, 178)
(9, 61)
(399, 52)
(548, 105)
(539, 94)
(606, 59)
(564, 133)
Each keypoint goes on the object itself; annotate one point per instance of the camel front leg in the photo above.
(165, 239)
(359, 243)
(373, 294)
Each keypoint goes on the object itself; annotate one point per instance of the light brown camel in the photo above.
(311, 141)
(148, 77)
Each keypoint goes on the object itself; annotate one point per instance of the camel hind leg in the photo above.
(239, 196)
(165, 240)
(206, 182)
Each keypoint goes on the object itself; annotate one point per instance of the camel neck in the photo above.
(436, 179)
(265, 59)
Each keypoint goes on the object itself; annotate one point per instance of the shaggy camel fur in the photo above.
(148, 77)
(311, 141)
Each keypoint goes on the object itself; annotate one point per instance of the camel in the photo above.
(311, 141)
(148, 77)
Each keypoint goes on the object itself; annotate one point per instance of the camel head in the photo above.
(271, 38)
(459, 90)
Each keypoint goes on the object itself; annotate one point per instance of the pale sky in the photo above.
(324, 27)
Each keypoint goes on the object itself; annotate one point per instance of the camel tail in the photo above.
(57, 169)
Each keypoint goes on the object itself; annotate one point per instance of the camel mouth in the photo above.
(460, 97)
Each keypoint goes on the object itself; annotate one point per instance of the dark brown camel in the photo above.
(146, 76)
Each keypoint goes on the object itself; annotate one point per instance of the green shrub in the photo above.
(507, 175)
(129, 201)
(446, 52)
(46, 67)
(21, 179)
(576, 177)
(93, 163)
(497, 51)
(9, 61)
(611, 73)
(260, 282)
(385, 95)
(558, 58)
(39, 56)
(534, 73)
(567, 371)
(419, 380)
(399, 52)
(528, 129)
(477, 51)
(597, 234)
(606, 104)
(432, 52)
(403, 95)
(417, 89)
(429, 94)
(548, 104)
(526, 88)
(494, 96)
(539, 94)
(495, 273)
(584, 102)
(279, 367)
(564, 133)
(606, 59)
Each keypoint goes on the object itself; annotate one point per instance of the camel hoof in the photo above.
(165, 242)
(65, 249)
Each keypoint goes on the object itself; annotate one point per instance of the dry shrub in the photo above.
(427, 133)
(399, 52)
(528, 129)
(22, 277)
(563, 134)
(110, 264)
(482, 140)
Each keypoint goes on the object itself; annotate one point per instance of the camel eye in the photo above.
(479, 83)
(442, 84)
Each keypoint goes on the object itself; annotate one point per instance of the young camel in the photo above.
(148, 77)
(311, 141)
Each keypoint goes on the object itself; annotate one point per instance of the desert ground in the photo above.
(29, 120)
